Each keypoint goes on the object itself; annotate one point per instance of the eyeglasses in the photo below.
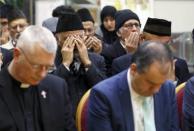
(130, 25)
(49, 68)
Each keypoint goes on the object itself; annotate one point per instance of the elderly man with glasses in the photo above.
(31, 99)
(128, 31)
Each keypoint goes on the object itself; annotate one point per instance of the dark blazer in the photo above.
(112, 52)
(78, 84)
(123, 62)
(181, 70)
(188, 106)
(110, 107)
(7, 56)
(55, 111)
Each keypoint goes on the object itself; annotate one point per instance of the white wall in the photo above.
(180, 12)
(44, 9)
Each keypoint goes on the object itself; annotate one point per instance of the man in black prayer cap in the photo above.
(158, 30)
(31, 99)
(155, 27)
(81, 69)
(93, 43)
(128, 31)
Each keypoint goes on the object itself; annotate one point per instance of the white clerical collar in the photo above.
(24, 85)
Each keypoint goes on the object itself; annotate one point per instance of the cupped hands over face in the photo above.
(72, 45)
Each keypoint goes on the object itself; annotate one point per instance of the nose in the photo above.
(134, 28)
(109, 22)
(19, 28)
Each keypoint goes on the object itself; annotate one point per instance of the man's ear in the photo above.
(141, 38)
(57, 36)
(133, 68)
(118, 33)
(16, 52)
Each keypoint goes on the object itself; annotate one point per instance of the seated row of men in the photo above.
(33, 100)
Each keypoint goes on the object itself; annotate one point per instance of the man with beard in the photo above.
(80, 68)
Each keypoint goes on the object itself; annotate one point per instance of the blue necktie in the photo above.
(147, 113)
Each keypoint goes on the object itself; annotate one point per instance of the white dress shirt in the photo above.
(137, 107)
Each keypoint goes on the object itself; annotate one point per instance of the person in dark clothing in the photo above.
(80, 68)
(107, 27)
(156, 30)
(6, 57)
(188, 106)
(128, 30)
(92, 41)
(31, 99)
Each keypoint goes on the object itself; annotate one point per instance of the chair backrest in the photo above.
(179, 97)
(179, 87)
(81, 113)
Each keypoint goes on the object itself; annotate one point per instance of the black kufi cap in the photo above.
(124, 15)
(107, 11)
(158, 27)
(69, 22)
(15, 14)
(4, 10)
(60, 10)
(85, 15)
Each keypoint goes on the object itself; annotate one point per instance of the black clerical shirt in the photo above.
(30, 106)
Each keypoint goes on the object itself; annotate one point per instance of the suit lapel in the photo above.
(125, 100)
(157, 112)
(10, 98)
(119, 49)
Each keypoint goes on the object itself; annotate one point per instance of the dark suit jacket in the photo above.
(181, 70)
(7, 56)
(112, 52)
(55, 111)
(188, 106)
(123, 62)
(78, 84)
(110, 107)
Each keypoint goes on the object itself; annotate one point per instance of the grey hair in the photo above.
(150, 51)
(34, 35)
